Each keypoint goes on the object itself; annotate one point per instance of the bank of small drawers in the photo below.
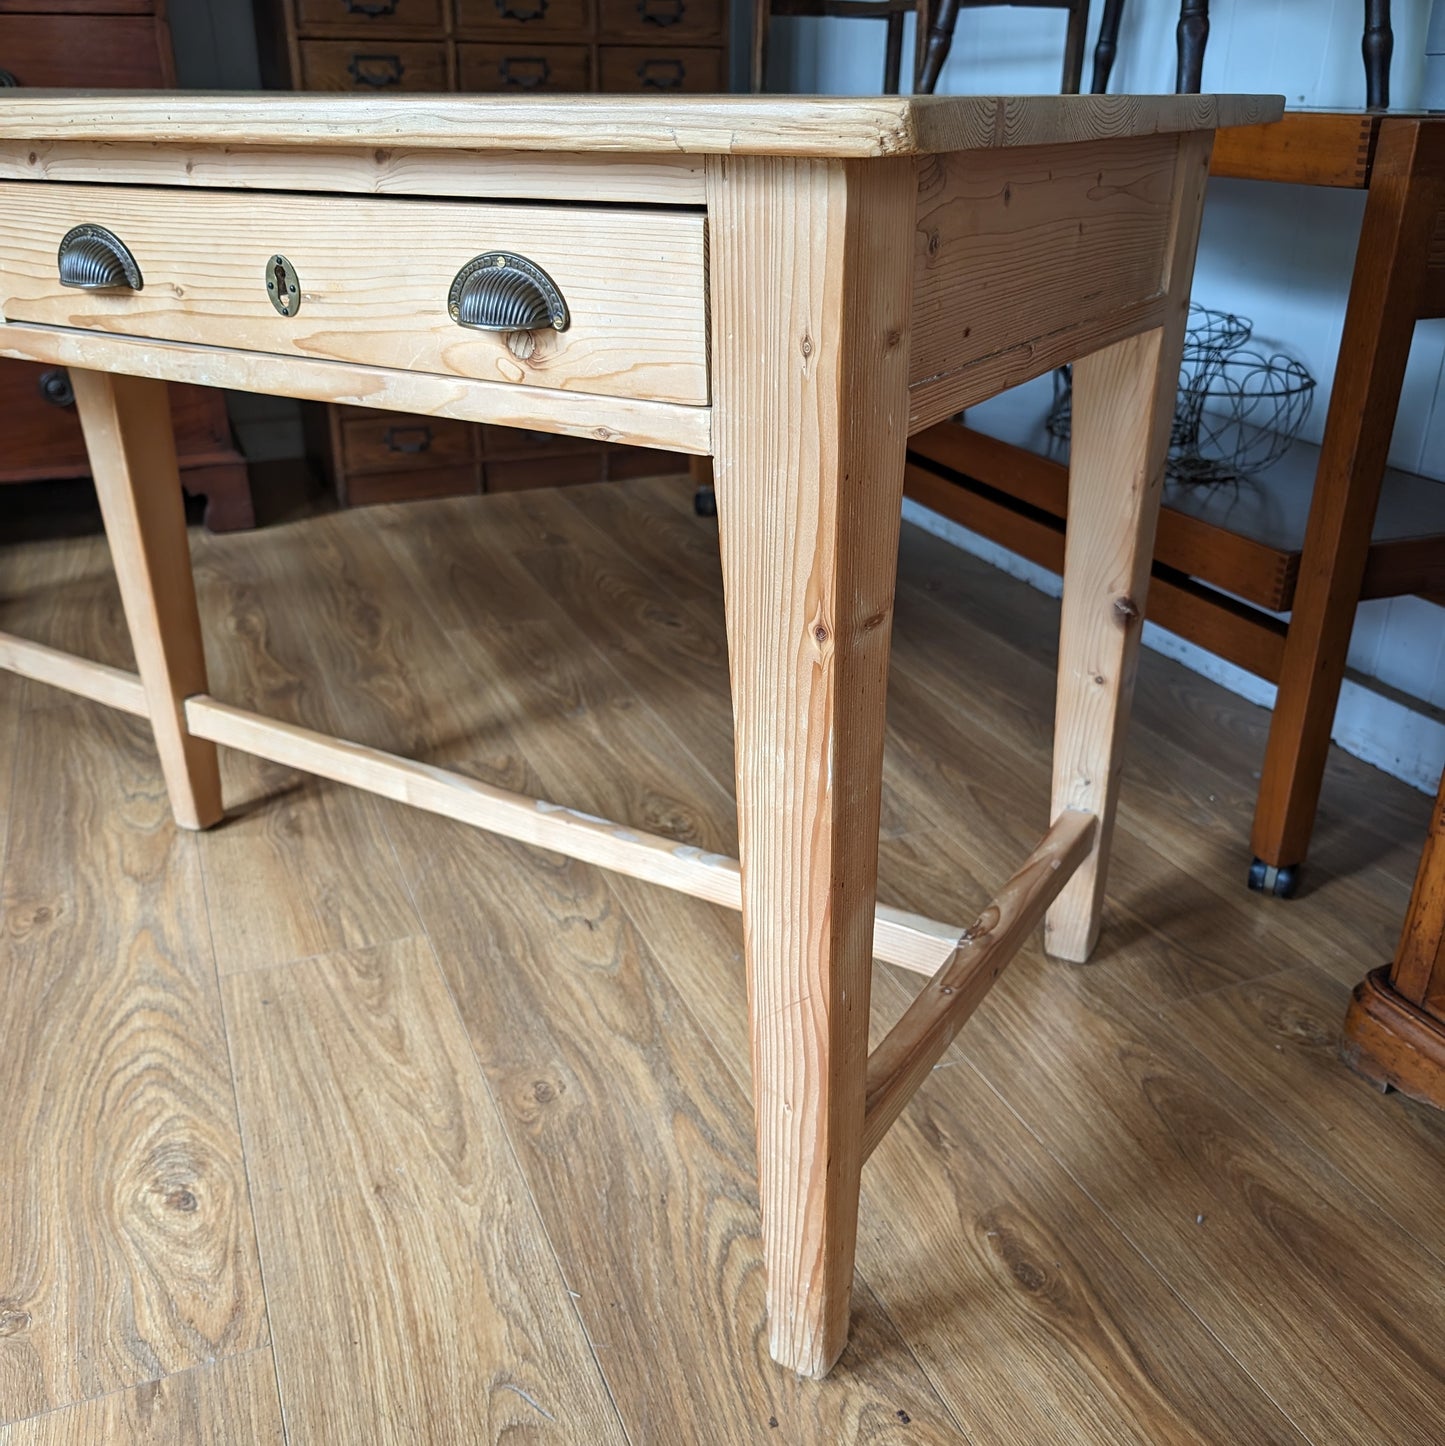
(647, 46)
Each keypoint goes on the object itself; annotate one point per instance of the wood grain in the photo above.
(904, 1057)
(127, 426)
(217, 1404)
(661, 180)
(810, 309)
(602, 418)
(820, 126)
(633, 282)
(297, 870)
(1262, 1239)
(1017, 245)
(1123, 409)
(126, 1249)
(633, 1138)
(376, 1154)
(115, 687)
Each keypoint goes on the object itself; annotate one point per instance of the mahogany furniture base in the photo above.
(787, 287)
(1394, 1030)
(1395, 1044)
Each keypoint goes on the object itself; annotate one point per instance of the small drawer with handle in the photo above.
(519, 67)
(369, 17)
(603, 299)
(399, 443)
(662, 22)
(656, 70)
(373, 67)
(536, 19)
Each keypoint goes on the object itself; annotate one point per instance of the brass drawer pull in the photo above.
(533, 10)
(377, 71)
(94, 259)
(408, 440)
(371, 12)
(661, 12)
(525, 72)
(662, 74)
(502, 292)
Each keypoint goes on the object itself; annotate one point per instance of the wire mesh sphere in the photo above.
(1237, 411)
(1246, 410)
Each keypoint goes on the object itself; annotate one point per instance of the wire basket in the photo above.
(1237, 410)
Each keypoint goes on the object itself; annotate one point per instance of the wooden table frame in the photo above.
(873, 266)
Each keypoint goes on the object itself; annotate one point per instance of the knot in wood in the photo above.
(982, 926)
(1126, 610)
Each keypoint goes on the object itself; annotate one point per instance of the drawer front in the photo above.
(361, 18)
(534, 19)
(103, 52)
(566, 470)
(398, 442)
(374, 276)
(520, 67)
(373, 66)
(42, 431)
(662, 22)
(508, 443)
(656, 69)
(369, 488)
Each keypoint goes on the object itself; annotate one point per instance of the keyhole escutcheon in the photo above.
(282, 287)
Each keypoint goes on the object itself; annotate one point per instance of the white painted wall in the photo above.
(1281, 255)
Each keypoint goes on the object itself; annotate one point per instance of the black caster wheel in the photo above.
(704, 502)
(1282, 882)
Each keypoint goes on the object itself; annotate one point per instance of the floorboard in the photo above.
(495, 1132)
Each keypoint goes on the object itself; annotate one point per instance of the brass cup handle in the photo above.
(94, 259)
(499, 291)
(8, 77)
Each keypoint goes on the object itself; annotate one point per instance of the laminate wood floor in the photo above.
(346, 1124)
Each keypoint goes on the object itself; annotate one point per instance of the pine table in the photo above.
(789, 286)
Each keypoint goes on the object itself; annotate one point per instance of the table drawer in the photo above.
(535, 19)
(375, 65)
(520, 66)
(86, 51)
(653, 69)
(662, 22)
(374, 278)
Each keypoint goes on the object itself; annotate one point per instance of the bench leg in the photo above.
(127, 427)
(810, 306)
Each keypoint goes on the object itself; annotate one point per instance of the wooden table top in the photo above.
(824, 126)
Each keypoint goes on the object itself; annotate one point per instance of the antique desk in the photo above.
(788, 286)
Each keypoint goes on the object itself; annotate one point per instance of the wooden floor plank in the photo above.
(296, 869)
(1327, 1303)
(413, 1293)
(126, 1245)
(223, 1403)
(1095, 1313)
(1278, 1037)
(610, 1095)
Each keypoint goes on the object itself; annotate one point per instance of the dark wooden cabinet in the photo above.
(103, 45)
(487, 46)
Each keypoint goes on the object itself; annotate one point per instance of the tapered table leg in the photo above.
(127, 427)
(1123, 405)
(811, 276)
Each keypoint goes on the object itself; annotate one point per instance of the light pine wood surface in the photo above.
(375, 275)
(464, 1120)
(840, 127)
